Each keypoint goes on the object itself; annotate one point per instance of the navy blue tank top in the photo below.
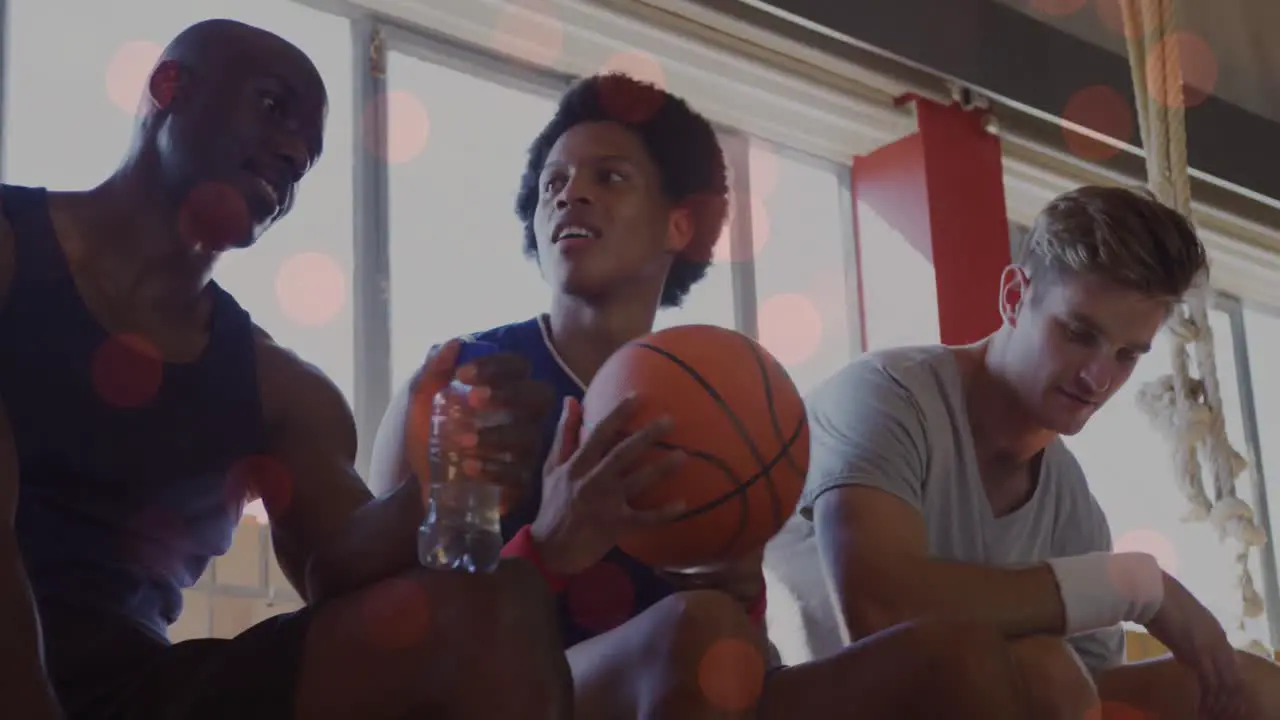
(617, 588)
(126, 462)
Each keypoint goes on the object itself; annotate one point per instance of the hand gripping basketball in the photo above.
(586, 487)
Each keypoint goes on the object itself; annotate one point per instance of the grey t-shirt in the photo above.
(896, 420)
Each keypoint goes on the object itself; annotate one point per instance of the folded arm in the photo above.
(874, 547)
(865, 494)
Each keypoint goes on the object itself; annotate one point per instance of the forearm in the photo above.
(378, 542)
(1017, 602)
(23, 683)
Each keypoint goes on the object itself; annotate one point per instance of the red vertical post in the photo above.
(933, 231)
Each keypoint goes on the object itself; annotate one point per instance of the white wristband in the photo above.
(1103, 589)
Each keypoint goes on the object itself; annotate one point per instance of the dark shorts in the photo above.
(106, 668)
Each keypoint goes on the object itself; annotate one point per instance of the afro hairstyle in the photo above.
(682, 144)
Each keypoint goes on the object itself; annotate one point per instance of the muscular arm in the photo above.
(874, 547)
(23, 683)
(329, 533)
(865, 494)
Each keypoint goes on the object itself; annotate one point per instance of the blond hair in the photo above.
(1122, 235)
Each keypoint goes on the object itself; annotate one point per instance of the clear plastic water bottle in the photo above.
(462, 528)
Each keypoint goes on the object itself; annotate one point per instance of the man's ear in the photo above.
(679, 229)
(1015, 288)
(167, 83)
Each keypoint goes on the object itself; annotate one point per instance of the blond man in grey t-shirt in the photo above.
(940, 487)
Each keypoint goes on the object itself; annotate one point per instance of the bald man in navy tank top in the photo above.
(146, 407)
(623, 198)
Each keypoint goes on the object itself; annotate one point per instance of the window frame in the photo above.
(761, 85)
(1252, 450)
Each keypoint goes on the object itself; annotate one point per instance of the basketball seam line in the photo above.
(741, 430)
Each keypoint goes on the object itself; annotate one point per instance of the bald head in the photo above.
(235, 106)
(228, 50)
(205, 35)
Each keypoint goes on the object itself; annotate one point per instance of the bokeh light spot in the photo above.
(1199, 71)
(1103, 110)
(127, 370)
(601, 598)
(408, 127)
(128, 71)
(528, 30)
(1112, 15)
(790, 327)
(311, 288)
(731, 675)
(626, 101)
(1152, 543)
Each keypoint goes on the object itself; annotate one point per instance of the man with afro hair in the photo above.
(623, 197)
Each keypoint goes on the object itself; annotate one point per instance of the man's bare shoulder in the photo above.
(293, 389)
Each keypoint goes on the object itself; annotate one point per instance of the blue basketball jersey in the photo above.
(619, 587)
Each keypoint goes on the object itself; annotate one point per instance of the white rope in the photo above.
(1186, 409)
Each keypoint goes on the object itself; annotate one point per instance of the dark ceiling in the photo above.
(1241, 57)
(1016, 51)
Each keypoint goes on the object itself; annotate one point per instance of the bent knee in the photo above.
(702, 653)
(685, 623)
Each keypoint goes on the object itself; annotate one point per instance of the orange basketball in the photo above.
(739, 419)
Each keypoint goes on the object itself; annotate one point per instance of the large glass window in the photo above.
(799, 228)
(75, 72)
(457, 148)
(1262, 331)
(1130, 471)
(899, 289)
(711, 300)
